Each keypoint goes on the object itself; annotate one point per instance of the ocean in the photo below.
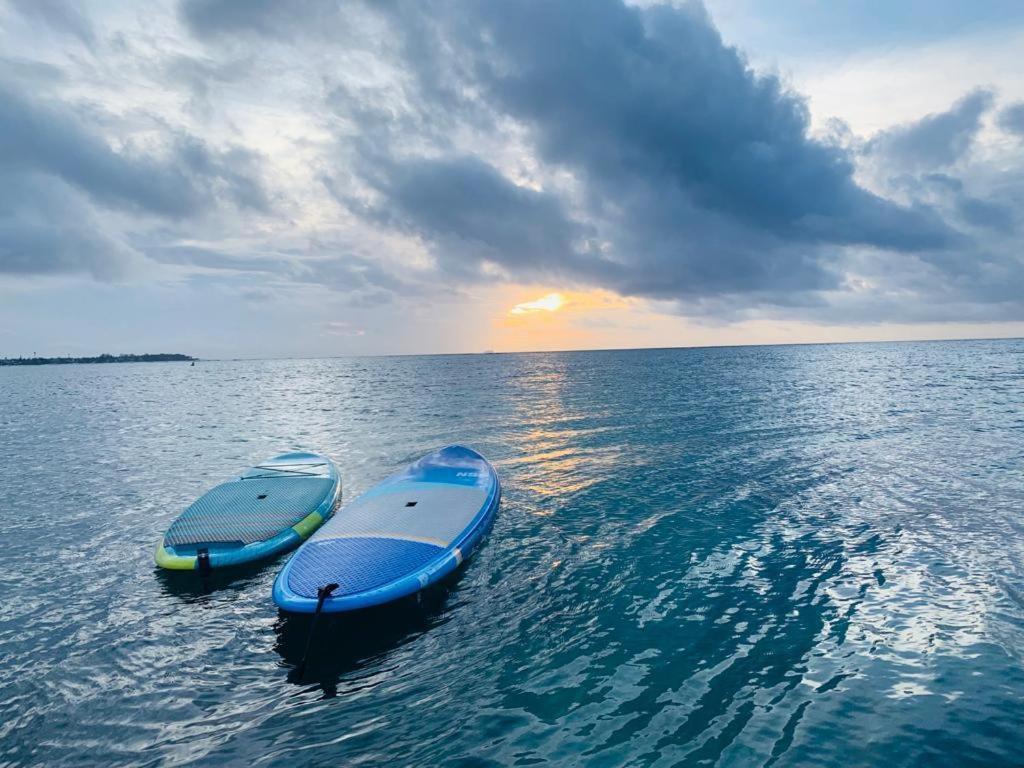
(788, 555)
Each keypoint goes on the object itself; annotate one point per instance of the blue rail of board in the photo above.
(383, 547)
(231, 513)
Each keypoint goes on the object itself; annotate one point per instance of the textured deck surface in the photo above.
(357, 564)
(384, 536)
(248, 511)
(435, 511)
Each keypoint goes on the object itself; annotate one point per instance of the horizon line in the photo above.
(567, 351)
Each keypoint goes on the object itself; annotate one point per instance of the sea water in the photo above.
(799, 555)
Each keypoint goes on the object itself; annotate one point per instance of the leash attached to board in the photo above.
(321, 594)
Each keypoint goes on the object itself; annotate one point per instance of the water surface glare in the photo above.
(755, 556)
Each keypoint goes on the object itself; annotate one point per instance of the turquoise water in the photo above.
(757, 556)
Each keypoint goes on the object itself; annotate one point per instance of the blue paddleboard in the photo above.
(270, 508)
(401, 536)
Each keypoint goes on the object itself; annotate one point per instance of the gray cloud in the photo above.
(664, 166)
(934, 141)
(33, 73)
(266, 18)
(1011, 119)
(989, 214)
(928, 160)
(698, 176)
(209, 258)
(474, 214)
(620, 95)
(234, 173)
(211, 17)
(47, 228)
(202, 76)
(51, 138)
(590, 142)
(364, 281)
(48, 149)
(59, 15)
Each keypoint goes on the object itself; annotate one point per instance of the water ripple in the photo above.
(761, 556)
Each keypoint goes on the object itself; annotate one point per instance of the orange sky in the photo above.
(543, 317)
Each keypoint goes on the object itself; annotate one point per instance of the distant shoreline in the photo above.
(156, 358)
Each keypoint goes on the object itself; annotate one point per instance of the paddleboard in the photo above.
(272, 507)
(403, 535)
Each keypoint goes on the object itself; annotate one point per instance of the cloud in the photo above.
(341, 328)
(474, 214)
(51, 139)
(697, 177)
(200, 76)
(59, 15)
(267, 18)
(211, 17)
(935, 141)
(208, 258)
(627, 147)
(1011, 119)
(36, 74)
(989, 214)
(393, 151)
(234, 173)
(365, 282)
(46, 137)
(62, 174)
(47, 228)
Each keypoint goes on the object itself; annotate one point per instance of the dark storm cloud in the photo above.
(693, 176)
(698, 176)
(934, 141)
(1011, 119)
(475, 214)
(621, 95)
(588, 141)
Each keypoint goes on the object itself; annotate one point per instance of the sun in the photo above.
(552, 302)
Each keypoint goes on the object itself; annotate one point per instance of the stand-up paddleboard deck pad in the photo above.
(272, 507)
(408, 532)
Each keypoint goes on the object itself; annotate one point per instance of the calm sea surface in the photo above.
(758, 556)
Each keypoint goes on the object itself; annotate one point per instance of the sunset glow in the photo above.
(550, 303)
(543, 317)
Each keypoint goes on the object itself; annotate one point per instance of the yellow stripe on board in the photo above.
(308, 524)
(174, 562)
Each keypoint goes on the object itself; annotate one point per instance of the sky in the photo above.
(262, 178)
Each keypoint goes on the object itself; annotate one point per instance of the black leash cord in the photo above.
(321, 594)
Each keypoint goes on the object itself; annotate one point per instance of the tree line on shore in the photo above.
(153, 358)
